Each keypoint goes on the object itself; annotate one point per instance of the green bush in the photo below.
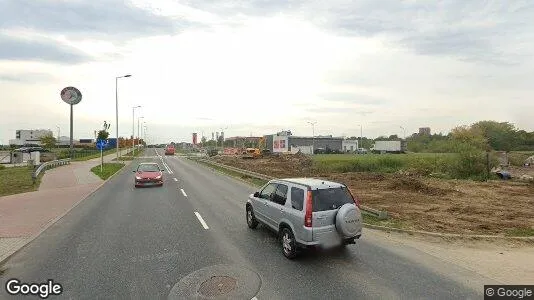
(468, 164)
(2, 167)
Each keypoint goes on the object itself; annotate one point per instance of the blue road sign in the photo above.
(101, 144)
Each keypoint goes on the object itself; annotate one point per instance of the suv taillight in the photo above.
(309, 208)
(356, 200)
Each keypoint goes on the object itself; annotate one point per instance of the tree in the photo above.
(49, 141)
(468, 135)
(500, 135)
(103, 135)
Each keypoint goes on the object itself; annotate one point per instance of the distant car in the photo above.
(306, 212)
(148, 174)
(169, 150)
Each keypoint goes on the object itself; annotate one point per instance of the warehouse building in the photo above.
(284, 141)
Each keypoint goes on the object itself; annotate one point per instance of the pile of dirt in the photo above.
(415, 202)
(414, 184)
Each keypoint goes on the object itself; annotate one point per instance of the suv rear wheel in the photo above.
(251, 219)
(289, 245)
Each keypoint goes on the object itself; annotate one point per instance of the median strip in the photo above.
(108, 169)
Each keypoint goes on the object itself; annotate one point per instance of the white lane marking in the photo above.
(199, 217)
(254, 298)
(175, 179)
(183, 192)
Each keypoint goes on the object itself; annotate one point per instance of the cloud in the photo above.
(247, 7)
(472, 31)
(79, 19)
(352, 98)
(29, 77)
(40, 49)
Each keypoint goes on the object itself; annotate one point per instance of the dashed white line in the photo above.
(175, 179)
(183, 192)
(199, 217)
(254, 298)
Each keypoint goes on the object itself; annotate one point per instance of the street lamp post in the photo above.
(117, 110)
(58, 135)
(404, 130)
(361, 137)
(133, 128)
(313, 136)
(222, 134)
(138, 133)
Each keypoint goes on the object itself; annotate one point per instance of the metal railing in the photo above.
(381, 215)
(244, 172)
(48, 165)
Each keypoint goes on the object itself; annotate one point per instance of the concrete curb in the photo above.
(412, 232)
(449, 235)
(31, 238)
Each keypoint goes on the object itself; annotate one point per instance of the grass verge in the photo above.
(17, 180)
(108, 169)
(390, 222)
(254, 181)
(520, 232)
(465, 165)
(128, 156)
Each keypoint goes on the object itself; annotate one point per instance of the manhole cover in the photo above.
(217, 286)
(217, 282)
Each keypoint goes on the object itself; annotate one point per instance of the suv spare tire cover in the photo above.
(348, 220)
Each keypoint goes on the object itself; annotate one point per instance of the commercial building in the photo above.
(29, 136)
(243, 141)
(349, 145)
(284, 141)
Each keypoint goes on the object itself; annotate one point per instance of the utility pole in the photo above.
(133, 128)
(404, 130)
(361, 137)
(138, 133)
(313, 135)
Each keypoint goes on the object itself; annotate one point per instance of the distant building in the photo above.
(424, 131)
(242, 141)
(349, 145)
(283, 142)
(29, 136)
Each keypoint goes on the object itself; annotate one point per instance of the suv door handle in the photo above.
(321, 218)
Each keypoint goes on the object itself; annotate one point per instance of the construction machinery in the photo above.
(251, 153)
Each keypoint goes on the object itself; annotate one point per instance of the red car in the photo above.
(169, 150)
(148, 174)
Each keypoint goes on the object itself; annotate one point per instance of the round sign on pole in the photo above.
(71, 95)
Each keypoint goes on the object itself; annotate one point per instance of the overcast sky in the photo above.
(258, 67)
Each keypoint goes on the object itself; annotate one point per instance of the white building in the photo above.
(28, 136)
(349, 145)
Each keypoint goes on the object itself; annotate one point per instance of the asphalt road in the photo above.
(127, 243)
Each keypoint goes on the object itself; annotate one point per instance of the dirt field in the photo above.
(453, 206)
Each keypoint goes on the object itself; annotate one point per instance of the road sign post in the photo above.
(71, 96)
(100, 145)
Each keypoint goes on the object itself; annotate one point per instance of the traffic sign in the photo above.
(101, 144)
(71, 95)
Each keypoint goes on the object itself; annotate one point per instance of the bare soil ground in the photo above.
(452, 206)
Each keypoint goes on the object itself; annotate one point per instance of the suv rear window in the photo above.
(329, 199)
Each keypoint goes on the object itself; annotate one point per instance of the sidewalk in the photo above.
(24, 216)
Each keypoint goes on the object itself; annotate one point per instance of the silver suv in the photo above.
(306, 212)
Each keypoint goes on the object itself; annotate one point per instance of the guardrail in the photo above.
(47, 165)
(381, 215)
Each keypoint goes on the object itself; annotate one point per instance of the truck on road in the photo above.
(389, 147)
